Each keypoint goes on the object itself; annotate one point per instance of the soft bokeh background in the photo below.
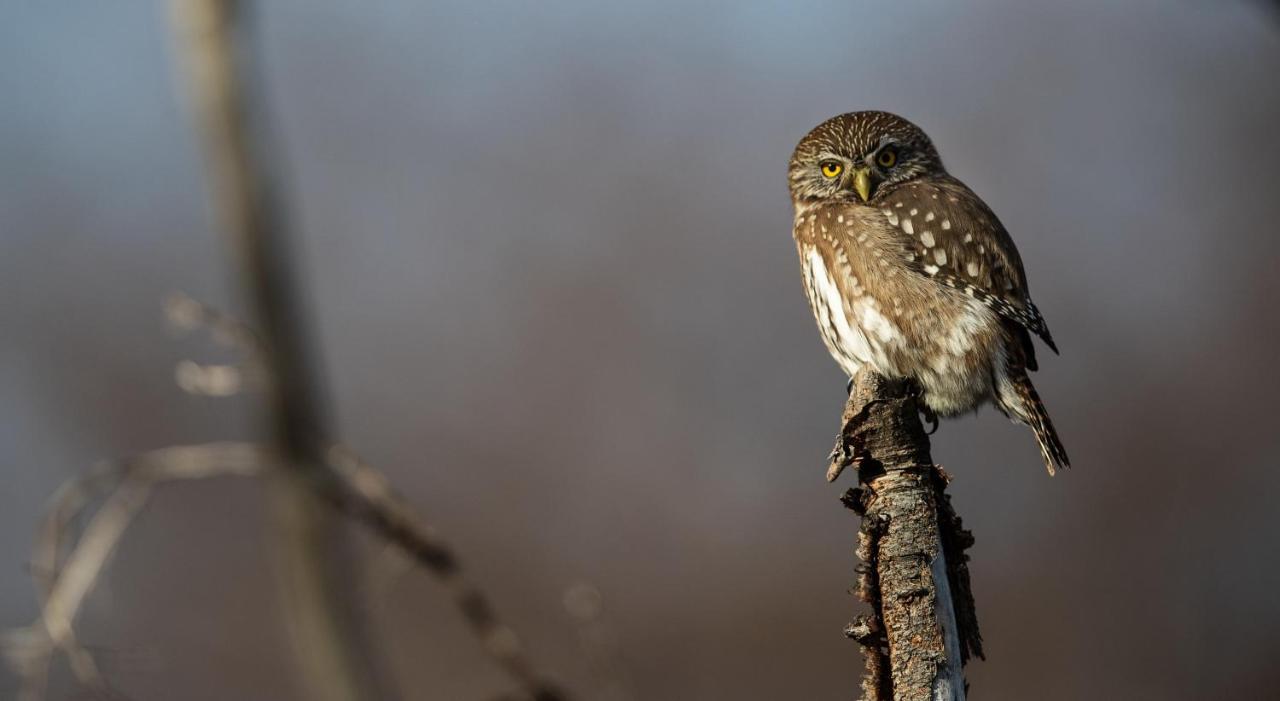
(548, 251)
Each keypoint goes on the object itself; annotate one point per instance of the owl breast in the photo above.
(873, 310)
(849, 318)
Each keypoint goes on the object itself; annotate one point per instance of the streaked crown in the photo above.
(859, 156)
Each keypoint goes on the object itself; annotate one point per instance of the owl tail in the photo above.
(1030, 410)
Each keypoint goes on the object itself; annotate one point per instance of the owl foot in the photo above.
(930, 417)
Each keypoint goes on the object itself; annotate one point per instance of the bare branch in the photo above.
(64, 581)
(366, 495)
(352, 486)
(914, 578)
(217, 41)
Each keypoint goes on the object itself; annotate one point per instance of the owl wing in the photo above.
(954, 238)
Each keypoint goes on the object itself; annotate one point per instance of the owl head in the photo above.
(859, 157)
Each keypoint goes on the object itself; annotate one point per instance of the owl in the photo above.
(910, 274)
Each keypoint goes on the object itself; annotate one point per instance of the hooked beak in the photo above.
(862, 183)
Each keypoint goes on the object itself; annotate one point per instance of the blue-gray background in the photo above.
(547, 247)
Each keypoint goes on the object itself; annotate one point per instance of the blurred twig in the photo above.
(66, 568)
(215, 37)
(922, 628)
(306, 471)
(365, 494)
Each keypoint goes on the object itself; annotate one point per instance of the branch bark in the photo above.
(922, 628)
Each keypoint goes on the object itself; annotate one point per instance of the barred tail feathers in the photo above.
(1030, 411)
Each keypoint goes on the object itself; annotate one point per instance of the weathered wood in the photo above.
(915, 577)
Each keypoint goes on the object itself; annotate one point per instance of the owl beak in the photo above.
(862, 183)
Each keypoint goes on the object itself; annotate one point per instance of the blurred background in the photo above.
(547, 249)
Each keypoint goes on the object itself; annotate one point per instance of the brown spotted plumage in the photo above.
(909, 272)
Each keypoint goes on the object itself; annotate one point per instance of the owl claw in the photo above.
(932, 418)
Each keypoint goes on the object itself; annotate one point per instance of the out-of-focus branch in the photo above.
(217, 42)
(306, 473)
(922, 627)
(366, 496)
(215, 36)
(66, 568)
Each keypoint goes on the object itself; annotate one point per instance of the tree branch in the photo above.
(66, 566)
(216, 39)
(922, 627)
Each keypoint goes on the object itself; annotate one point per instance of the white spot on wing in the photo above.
(926, 237)
(906, 226)
(877, 325)
(946, 223)
(940, 255)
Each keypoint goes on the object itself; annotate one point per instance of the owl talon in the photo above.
(931, 417)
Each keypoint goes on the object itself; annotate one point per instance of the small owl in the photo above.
(910, 273)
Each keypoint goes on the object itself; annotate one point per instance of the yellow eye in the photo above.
(887, 158)
(832, 168)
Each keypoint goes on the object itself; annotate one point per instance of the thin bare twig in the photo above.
(217, 41)
(367, 496)
(337, 664)
(66, 568)
(359, 490)
(356, 489)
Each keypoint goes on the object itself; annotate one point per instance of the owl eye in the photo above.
(832, 168)
(887, 157)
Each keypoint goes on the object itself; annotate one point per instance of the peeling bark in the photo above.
(922, 628)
